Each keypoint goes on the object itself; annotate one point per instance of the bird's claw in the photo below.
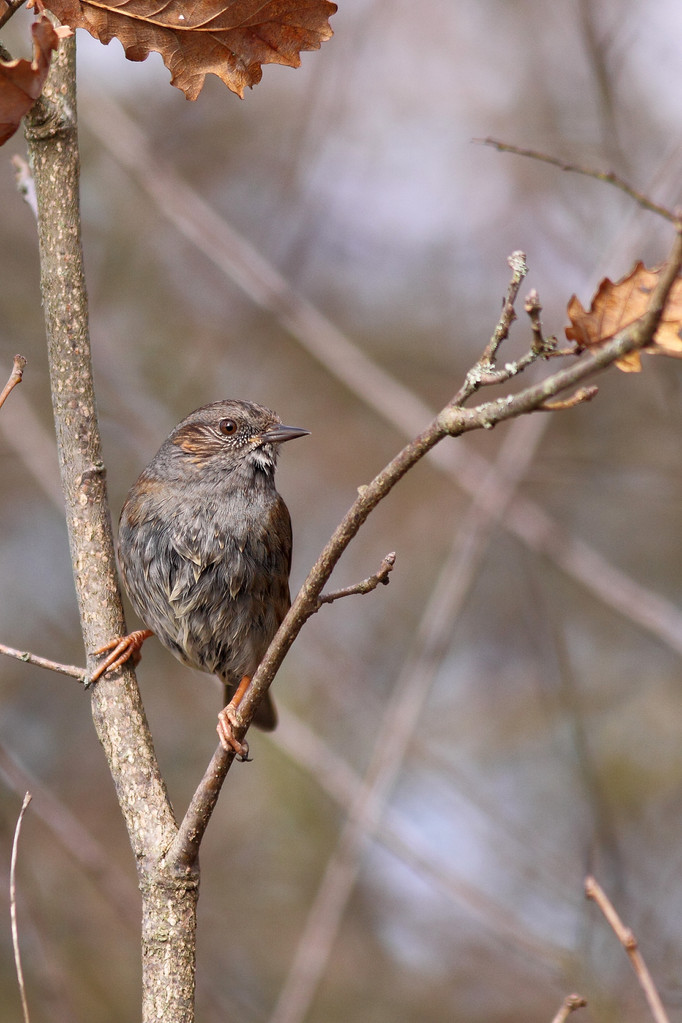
(120, 650)
(228, 721)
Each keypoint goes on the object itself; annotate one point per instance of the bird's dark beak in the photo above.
(278, 434)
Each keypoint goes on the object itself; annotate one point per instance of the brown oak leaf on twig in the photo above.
(227, 38)
(616, 306)
(21, 81)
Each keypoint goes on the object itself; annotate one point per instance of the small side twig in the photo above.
(13, 908)
(482, 376)
(610, 177)
(582, 395)
(569, 1005)
(485, 372)
(517, 262)
(366, 586)
(541, 345)
(44, 662)
(627, 939)
(15, 377)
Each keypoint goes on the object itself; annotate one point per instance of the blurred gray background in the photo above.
(534, 651)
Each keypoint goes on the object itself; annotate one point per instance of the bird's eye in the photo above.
(228, 427)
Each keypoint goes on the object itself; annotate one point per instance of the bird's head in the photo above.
(231, 435)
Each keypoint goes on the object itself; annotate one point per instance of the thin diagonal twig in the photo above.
(13, 908)
(596, 893)
(608, 177)
(43, 662)
(579, 397)
(380, 577)
(15, 377)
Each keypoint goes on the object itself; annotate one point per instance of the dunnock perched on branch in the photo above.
(204, 547)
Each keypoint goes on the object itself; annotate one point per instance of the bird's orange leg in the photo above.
(122, 649)
(227, 722)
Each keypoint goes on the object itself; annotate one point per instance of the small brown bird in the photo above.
(204, 548)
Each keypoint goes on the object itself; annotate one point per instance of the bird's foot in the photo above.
(229, 721)
(120, 650)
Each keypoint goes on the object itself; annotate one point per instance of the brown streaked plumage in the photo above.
(204, 544)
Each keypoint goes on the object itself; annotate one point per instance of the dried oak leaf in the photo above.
(616, 306)
(21, 81)
(227, 38)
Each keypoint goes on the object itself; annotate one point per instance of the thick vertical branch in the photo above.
(53, 150)
(117, 710)
(169, 903)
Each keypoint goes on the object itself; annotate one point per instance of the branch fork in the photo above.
(380, 577)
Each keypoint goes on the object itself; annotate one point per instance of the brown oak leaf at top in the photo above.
(21, 81)
(227, 38)
(616, 306)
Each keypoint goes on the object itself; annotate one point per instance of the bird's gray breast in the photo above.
(215, 578)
